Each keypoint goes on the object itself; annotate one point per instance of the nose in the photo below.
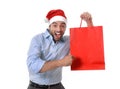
(58, 28)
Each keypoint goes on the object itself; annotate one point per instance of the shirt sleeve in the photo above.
(34, 61)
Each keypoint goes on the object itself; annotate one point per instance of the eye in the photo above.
(54, 25)
(63, 26)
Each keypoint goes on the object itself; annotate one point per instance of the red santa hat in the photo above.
(55, 15)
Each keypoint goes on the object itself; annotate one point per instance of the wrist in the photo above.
(89, 23)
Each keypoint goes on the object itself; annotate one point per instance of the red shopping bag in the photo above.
(87, 46)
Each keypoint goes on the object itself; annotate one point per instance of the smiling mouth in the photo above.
(58, 35)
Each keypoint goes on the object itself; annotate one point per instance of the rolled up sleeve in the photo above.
(34, 61)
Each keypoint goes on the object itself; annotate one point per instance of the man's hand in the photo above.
(87, 17)
(67, 60)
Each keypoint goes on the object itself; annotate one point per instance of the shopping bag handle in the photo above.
(80, 23)
(87, 26)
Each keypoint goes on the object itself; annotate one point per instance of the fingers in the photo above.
(71, 56)
(86, 16)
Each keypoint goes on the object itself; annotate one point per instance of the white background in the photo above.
(20, 20)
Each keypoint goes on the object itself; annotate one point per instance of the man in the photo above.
(49, 52)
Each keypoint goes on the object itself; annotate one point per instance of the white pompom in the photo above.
(46, 20)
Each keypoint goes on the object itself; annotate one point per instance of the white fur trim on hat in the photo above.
(57, 18)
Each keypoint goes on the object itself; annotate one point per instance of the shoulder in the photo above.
(41, 35)
(38, 38)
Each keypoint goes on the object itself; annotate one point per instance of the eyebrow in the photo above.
(56, 23)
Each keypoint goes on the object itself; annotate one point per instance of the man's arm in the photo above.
(49, 65)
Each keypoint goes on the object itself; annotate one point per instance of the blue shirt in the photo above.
(43, 49)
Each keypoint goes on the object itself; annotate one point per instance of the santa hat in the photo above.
(55, 15)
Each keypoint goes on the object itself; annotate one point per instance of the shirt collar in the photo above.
(47, 34)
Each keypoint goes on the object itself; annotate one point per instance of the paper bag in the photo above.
(87, 47)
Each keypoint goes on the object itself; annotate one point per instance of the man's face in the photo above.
(57, 30)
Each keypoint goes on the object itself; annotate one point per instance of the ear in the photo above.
(49, 26)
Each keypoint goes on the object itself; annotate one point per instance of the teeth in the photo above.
(57, 33)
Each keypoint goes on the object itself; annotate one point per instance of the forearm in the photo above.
(49, 65)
